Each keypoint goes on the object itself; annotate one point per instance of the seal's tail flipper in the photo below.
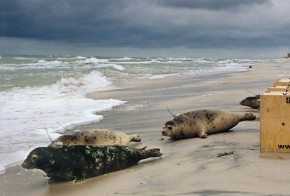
(155, 152)
(248, 116)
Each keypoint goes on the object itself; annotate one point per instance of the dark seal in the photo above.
(84, 161)
(253, 102)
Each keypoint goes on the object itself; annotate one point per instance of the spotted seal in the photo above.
(201, 123)
(84, 161)
(253, 102)
(96, 137)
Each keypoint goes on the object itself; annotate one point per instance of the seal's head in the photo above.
(168, 128)
(253, 102)
(135, 138)
(37, 158)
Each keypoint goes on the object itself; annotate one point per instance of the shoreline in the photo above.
(188, 166)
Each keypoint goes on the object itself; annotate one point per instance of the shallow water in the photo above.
(39, 93)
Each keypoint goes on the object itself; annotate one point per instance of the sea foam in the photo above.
(26, 113)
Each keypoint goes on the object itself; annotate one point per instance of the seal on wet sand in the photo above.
(96, 137)
(201, 123)
(84, 161)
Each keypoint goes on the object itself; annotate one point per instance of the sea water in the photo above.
(43, 94)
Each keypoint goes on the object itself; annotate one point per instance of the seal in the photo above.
(95, 137)
(253, 102)
(81, 162)
(201, 123)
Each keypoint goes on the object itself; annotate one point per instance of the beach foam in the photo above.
(31, 110)
(38, 92)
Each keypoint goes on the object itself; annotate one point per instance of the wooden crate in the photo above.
(284, 89)
(275, 122)
(282, 82)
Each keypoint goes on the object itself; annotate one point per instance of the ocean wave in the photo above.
(42, 64)
(140, 62)
(124, 59)
(32, 118)
(100, 63)
(29, 111)
(93, 81)
(21, 58)
(63, 63)
(93, 60)
(38, 92)
(80, 57)
(115, 66)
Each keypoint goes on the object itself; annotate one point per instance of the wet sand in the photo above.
(188, 167)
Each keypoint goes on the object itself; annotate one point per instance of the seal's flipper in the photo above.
(202, 135)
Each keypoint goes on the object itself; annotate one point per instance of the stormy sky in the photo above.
(147, 27)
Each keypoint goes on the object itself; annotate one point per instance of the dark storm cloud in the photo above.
(147, 24)
(53, 19)
(212, 4)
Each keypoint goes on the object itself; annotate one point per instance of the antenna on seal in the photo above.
(65, 128)
(48, 135)
(54, 144)
(174, 116)
(251, 92)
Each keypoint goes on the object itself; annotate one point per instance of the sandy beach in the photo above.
(187, 167)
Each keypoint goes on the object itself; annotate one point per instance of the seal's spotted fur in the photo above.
(81, 162)
(201, 123)
(96, 137)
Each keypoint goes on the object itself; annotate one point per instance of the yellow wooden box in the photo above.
(284, 89)
(275, 122)
(282, 82)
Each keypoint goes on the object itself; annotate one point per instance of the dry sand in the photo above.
(187, 167)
